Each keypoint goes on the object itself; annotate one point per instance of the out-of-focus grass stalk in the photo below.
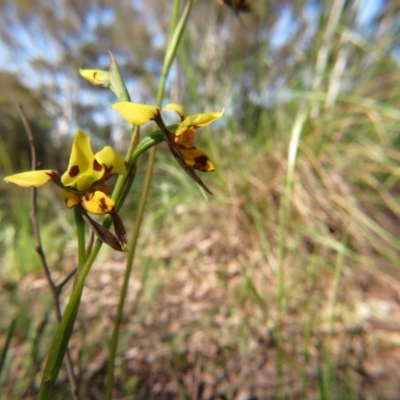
(309, 324)
(322, 63)
(177, 29)
(329, 366)
(284, 215)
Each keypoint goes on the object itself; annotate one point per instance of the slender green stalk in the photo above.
(124, 288)
(80, 234)
(65, 328)
(173, 44)
(284, 215)
(174, 19)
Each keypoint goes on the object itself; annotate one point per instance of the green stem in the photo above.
(173, 43)
(80, 234)
(65, 328)
(124, 289)
(145, 144)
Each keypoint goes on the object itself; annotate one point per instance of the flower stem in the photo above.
(80, 234)
(65, 328)
(173, 42)
(124, 288)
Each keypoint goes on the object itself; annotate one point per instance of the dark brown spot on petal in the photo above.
(96, 165)
(200, 162)
(103, 204)
(73, 171)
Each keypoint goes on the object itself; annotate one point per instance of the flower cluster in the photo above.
(84, 184)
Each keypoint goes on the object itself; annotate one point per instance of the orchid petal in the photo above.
(177, 108)
(197, 120)
(176, 152)
(111, 160)
(98, 203)
(197, 159)
(83, 169)
(71, 199)
(186, 139)
(134, 113)
(32, 178)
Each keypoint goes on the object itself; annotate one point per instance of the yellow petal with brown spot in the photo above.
(97, 203)
(197, 159)
(112, 160)
(83, 170)
(31, 178)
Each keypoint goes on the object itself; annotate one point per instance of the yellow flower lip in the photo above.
(98, 203)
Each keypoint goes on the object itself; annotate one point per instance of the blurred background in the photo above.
(285, 282)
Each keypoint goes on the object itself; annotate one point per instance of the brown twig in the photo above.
(55, 290)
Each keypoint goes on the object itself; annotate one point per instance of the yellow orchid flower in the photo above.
(84, 180)
(84, 183)
(180, 138)
(185, 134)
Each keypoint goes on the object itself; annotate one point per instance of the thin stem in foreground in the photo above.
(173, 43)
